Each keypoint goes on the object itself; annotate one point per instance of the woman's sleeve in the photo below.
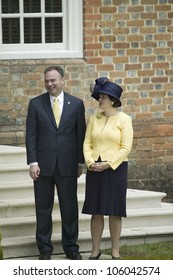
(125, 144)
(87, 147)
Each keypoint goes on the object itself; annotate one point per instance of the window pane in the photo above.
(10, 30)
(32, 6)
(10, 7)
(53, 29)
(32, 30)
(53, 6)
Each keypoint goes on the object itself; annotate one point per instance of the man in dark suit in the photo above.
(55, 156)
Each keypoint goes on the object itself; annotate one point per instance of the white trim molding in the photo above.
(71, 47)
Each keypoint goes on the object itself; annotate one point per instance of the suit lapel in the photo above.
(66, 108)
(47, 105)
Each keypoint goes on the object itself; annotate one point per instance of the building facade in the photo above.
(129, 41)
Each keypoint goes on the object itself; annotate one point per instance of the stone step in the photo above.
(11, 154)
(152, 217)
(144, 199)
(17, 208)
(14, 172)
(14, 185)
(149, 217)
(16, 190)
(21, 201)
(26, 246)
(23, 189)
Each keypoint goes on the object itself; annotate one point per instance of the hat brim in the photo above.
(96, 95)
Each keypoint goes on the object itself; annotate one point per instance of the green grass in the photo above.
(154, 251)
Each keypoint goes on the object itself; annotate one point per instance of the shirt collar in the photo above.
(60, 98)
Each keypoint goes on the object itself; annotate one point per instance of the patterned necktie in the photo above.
(56, 111)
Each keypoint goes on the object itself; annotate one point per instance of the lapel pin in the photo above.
(68, 102)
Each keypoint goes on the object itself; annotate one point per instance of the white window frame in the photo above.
(72, 46)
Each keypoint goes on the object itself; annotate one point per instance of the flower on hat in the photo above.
(100, 83)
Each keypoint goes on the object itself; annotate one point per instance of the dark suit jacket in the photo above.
(45, 143)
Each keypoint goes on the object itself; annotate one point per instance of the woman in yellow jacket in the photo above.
(108, 142)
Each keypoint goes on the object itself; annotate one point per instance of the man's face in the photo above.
(53, 82)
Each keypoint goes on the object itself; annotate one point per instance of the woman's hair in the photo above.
(114, 100)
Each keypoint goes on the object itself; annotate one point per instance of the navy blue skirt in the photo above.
(105, 192)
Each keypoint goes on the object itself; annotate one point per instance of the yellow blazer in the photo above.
(110, 138)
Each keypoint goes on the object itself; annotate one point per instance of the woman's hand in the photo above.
(99, 166)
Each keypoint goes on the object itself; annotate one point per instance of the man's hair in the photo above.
(57, 68)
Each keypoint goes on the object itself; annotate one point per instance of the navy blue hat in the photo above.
(102, 85)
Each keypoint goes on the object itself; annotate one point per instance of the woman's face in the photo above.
(104, 102)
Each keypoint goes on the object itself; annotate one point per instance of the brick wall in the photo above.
(131, 42)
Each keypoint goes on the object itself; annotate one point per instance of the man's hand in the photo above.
(34, 172)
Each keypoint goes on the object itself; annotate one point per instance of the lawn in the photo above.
(154, 251)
